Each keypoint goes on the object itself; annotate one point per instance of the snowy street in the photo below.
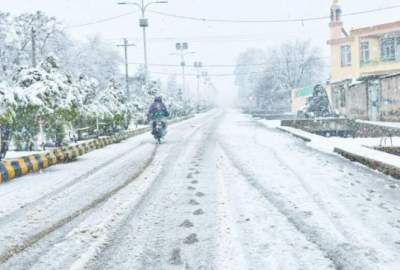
(223, 192)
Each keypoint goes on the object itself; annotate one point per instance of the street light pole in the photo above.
(181, 48)
(198, 65)
(183, 64)
(144, 23)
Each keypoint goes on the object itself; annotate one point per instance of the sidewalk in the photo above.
(355, 149)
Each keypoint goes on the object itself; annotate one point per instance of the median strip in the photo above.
(11, 169)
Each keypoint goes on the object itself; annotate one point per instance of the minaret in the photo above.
(336, 24)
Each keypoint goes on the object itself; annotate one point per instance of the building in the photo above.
(361, 61)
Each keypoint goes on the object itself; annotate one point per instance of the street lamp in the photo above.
(144, 23)
(182, 48)
(198, 65)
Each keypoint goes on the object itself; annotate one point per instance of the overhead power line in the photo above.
(101, 20)
(205, 19)
(209, 74)
(206, 66)
(228, 38)
(305, 19)
(227, 65)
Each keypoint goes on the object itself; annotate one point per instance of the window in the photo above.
(346, 55)
(364, 51)
(388, 49)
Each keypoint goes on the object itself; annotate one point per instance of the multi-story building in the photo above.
(360, 60)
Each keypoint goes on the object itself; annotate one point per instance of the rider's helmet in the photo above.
(158, 99)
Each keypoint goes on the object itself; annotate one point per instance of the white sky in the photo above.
(214, 43)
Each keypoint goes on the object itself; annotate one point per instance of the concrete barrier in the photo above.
(342, 127)
(371, 163)
(11, 169)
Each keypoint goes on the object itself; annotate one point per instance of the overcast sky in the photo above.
(214, 43)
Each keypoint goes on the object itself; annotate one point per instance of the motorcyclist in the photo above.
(157, 110)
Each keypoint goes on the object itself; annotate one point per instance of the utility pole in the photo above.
(126, 45)
(33, 43)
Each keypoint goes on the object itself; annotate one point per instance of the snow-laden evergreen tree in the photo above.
(318, 105)
(7, 103)
(95, 58)
(44, 95)
(87, 89)
(113, 106)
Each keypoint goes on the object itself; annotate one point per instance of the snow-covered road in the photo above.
(223, 192)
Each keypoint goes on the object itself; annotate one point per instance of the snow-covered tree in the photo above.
(45, 30)
(289, 66)
(113, 105)
(43, 95)
(318, 104)
(296, 64)
(75, 85)
(249, 68)
(95, 58)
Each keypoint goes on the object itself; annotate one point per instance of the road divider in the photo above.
(11, 169)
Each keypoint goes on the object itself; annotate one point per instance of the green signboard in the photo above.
(305, 91)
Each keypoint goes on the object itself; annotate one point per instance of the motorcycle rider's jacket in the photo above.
(157, 110)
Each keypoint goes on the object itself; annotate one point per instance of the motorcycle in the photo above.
(159, 128)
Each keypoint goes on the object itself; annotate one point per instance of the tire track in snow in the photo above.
(339, 225)
(103, 253)
(316, 199)
(99, 168)
(264, 229)
(230, 252)
(15, 249)
(343, 254)
(61, 233)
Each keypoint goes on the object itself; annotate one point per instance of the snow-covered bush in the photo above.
(112, 106)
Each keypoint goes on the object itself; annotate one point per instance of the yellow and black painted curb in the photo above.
(11, 169)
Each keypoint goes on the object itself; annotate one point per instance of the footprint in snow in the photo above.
(200, 194)
(189, 176)
(176, 258)
(186, 224)
(198, 212)
(392, 186)
(191, 188)
(195, 182)
(193, 202)
(191, 239)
